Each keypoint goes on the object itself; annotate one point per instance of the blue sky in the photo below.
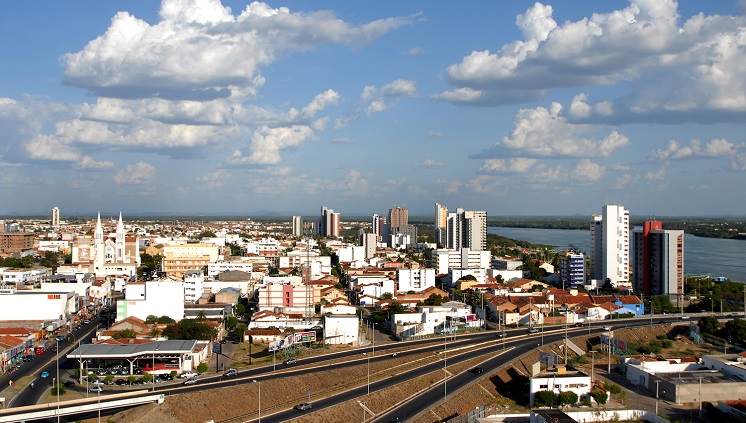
(517, 108)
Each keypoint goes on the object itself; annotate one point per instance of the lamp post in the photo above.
(368, 355)
(260, 399)
(593, 364)
(656, 396)
(152, 373)
(445, 364)
(57, 387)
(98, 394)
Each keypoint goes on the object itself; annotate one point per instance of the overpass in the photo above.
(78, 406)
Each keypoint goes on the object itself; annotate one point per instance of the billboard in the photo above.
(619, 344)
(550, 359)
(216, 347)
(281, 344)
(309, 336)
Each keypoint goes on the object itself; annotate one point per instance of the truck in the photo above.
(42, 347)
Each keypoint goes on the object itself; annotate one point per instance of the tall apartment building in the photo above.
(297, 226)
(572, 269)
(440, 232)
(368, 242)
(329, 225)
(380, 228)
(467, 229)
(398, 216)
(658, 259)
(610, 245)
(55, 217)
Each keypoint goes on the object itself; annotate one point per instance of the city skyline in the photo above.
(197, 107)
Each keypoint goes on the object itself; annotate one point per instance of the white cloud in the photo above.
(353, 184)
(266, 144)
(514, 165)
(658, 175)
(453, 187)
(213, 180)
(544, 132)
(624, 180)
(485, 184)
(712, 149)
(342, 141)
(414, 51)
(738, 163)
(140, 173)
(320, 102)
(588, 171)
(377, 106)
(200, 50)
(434, 134)
(430, 164)
(88, 163)
(399, 88)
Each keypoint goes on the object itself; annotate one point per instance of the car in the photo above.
(303, 406)
(578, 325)
(189, 375)
(59, 338)
(235, 341)
(28, 358)
(69, 384)
(734, 314)
(44, 375)
(191, 381)
(290, 361)
(54, 348)
(86, 321)
(124, 371)
(96, 389)
(477, 370)
(138, 371)
(167, 377)
(684, 317)
(100, 372)
(533, 330)
(500, 334)
(121, 382)
(97, 382)
(607, 327)
(231, 372)
(223, 341)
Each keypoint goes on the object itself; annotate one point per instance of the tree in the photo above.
(147, 378)
(202, 367)
(231, 321)
(190, 329)
(59, 391)
(131, 379)
(239, 330)
(126, 333)
(599, 396)
(240, 309)
(708, 325)
(544, 398)
(165, 320)
(567, 398)
(152, 318)
(736, 328)
(387, 296)
(108, 379)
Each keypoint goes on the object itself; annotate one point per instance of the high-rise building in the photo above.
(55, 217)
(297, 226)
(380, 228)
(325, 221)
(398, 216)
(572, 268)
(440, 233)
(334, 229)
(466, 229)
(658, 259)
(610, 246)
(368, 242)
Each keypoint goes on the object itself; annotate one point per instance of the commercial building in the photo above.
(463, 258)
(57, 307)
(610, 246)
(178, 259)
(380, 228)
(16, 241)
(658, 259)
(329, 223)
(398, 216)
(441, 225)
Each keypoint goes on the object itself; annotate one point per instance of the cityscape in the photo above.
(331, 211)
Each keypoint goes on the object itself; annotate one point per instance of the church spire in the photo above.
(120, 229)
(98, 235)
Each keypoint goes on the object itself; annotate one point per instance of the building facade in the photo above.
(610, 246)
(297, 226)
(658, 259)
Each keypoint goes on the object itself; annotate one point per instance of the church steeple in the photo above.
(120, 255)
(98, 235)
(120, 229)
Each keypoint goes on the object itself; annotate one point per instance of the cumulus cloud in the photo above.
(695, 149)
(373, 100)
(414, 51)
(545, 132)
(434, 134)
(588, 171)
(140, 173)
(200, 50)
(513, 165)
(624, 181)
(646, 42)
(266, 144)
(214, 179)
(738, 163)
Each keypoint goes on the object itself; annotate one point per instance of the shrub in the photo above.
(174, 373)
(666, 343)
(202, 367)
(59, 391)
(544, 398)
(108, 379)
(615, 389)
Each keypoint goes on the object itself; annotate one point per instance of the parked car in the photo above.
(684, 317)
(121, 382)
(86, 321)
(69, 384)
(533, 330)
(44, 375)
(734, 314)
(578, 325)
(500, 334)
(98, 382)
(189, 375)
(189, 382)
(96, 389)
(290, 361)
(28, 358)
(59, 338)
(303, 406)
(231, 372)
(167, 377)
(223, 341)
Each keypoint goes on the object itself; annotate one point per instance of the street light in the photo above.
(656, 396)
(368, 355)
(57, 343)
(260, 399)
(152, 373)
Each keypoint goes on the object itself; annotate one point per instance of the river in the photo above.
(711, 256)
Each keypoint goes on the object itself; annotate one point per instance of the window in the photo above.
(543, 386)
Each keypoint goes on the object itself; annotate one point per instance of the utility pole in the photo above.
(593, 365)
(656, 396)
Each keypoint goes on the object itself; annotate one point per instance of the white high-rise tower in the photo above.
(610, 245)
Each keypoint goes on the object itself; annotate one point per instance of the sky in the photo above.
(516, 108)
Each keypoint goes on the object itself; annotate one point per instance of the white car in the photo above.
(98, 382)
(189, 375)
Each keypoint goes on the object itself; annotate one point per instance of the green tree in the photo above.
(131, 379)
(152, 318)
(190, 329)
(147, 378)
(600, 396)
(108, 379)
(567, 398)
(387, 296)
(708, 325)
(165, 320)
(206, 234)
(736, 329)
(202, 367)
(239, 330)
(126, 333)
(231, 321)
(59, 391)
(240, 309)
(545, 398)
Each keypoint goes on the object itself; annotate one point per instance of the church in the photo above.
(112, 255)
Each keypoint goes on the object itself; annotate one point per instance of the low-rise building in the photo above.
(560, 379)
